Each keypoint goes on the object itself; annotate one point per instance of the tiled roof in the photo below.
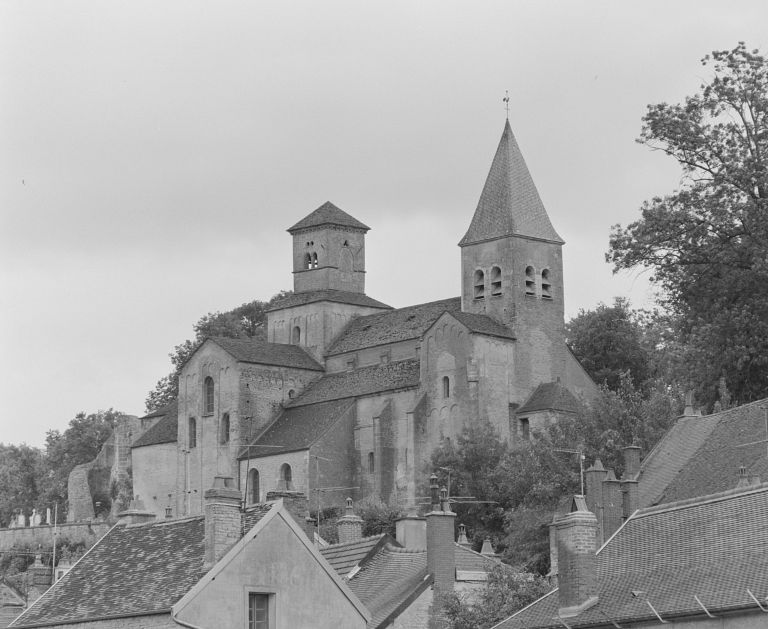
(336, 296)
(550, 396)
(714, 548)
(260, 352)
(714, 466)
(132, 570)
(344, 557)
(671, 454)
(483, 324)
(297, 428)
(389, 581)
(252, 514)
(509, 203)
(470, 561)
(328, 214)
(393, 326)
(363, 381)
(164, 431)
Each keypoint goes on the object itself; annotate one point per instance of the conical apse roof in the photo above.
(509, 204)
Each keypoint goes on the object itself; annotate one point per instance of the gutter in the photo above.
(183, 623)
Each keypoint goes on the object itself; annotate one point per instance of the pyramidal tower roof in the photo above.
(510, 203)
(328, 214)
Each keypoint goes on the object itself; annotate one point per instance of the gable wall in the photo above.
(154, 476)
(497, 383)
(278, 563)
(269, 472)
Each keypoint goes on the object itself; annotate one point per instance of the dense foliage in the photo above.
(707, 243)
(246, 321)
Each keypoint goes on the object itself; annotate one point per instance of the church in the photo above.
(349, 396)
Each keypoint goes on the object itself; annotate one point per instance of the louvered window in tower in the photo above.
(479, 284)
(530, 281)
(546, 285)
(495, 280)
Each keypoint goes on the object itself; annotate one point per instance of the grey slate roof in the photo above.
(715, 548)
(164, 431)
(363, 381)
(297, 428)
(393, 326)
(714, 465)
(336, 296)
(344, 557)
(263, 353)
(483, 324)
(328, 214)
(389, 581)
(509, 203)
(550, 396)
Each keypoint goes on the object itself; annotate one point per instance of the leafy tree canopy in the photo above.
(246, 321)
(706, 244)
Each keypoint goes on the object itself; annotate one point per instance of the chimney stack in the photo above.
(577, 563)
(613, 505)
(411, 531)
(350, 526)
(441, 553)
(593, 479)
(631, 462)
(222, 519)
(136, 513)
(298, 507)
(463, 541)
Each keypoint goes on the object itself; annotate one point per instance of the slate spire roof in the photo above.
(509, 204)
(328, 214)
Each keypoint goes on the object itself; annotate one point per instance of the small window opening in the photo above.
(495, 280)
(296, 338)
(314, 260)
(291, 394)
(446, 386)
(286, 477)
(479, 284)
(258, 611)
(524, 428)
(224, 431)
(530, 281)
(253, 486)
(191, 433)
(546, 285)
(307, 261)
(208, 393)
(371, 463)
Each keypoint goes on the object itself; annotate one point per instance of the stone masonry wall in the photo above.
(32, 536)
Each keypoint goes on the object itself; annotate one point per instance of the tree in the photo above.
(246, 321)
(707, 243)
(505, 592)
(18, 480)
(608, 341)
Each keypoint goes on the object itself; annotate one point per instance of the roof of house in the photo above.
(714, 548)
(297, 428)
(336, 296)
(358, 382)
(328, 214)
(483, 324)
(133, 570)
(702, 455)
(392, 326)
(550, 396)
(468, 560)
(260, 352)
(164, 431)
(509, 203)
(344, 557)
(389, 581)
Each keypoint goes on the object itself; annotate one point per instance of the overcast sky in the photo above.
(152, 155)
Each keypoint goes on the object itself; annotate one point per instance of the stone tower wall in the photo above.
(340, 259)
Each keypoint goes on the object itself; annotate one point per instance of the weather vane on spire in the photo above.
(506, 102)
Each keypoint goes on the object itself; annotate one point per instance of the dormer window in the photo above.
(479, 284)
(208, 396)
(530, 281)
(546, 285)
(495, 280)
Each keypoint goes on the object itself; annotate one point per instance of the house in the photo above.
(229, 568)
(688, 562)
(349, 395)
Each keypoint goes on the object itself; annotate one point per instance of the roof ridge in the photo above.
(357, 541)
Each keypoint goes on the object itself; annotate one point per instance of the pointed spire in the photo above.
(509, 204)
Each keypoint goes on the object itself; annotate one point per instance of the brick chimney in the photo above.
(441, 553)
(577, 563)
(613, 505)
(593, 479)
(349, 526)
(411, 532)
(136, 513)
(630, 494)
(222, 519)
(631, 461)
(298, 506)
